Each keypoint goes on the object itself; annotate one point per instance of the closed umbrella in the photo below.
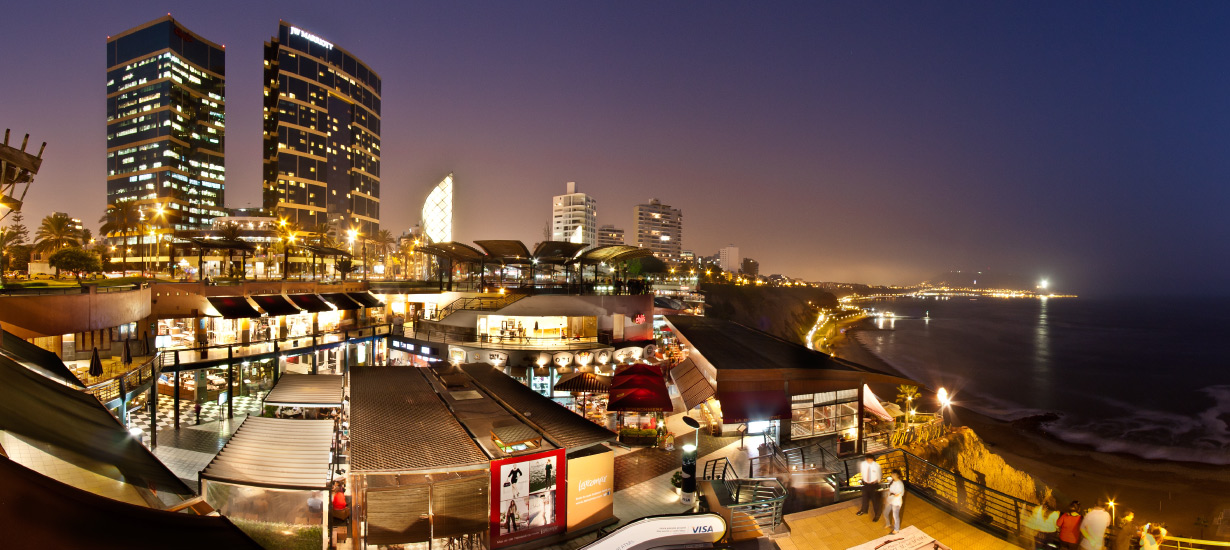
(127, 355)
(96, 368)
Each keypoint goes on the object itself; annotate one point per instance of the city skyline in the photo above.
(1081, 144)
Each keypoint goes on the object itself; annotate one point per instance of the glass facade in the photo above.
(816, 414)
(322, 134)
(166, 124)
(438, 212)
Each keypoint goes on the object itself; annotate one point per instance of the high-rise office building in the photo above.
(750, 268)
(574, 216)
(659, 228)
(609, 235)
(438, 212)
(166, 97)
(728, 258)
(322, 134)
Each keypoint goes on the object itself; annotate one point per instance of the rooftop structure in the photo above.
(166, 123)
(438, 211)
(659, 228)
(322, 133)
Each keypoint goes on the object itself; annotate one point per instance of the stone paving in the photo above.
(837, 527)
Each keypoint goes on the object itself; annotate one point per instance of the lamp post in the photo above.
(944, 399)
(688, 487)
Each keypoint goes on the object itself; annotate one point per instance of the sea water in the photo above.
(1145, 376)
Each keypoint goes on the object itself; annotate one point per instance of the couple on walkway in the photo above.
(869, 475)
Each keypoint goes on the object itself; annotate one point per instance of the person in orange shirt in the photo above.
(1070, 527)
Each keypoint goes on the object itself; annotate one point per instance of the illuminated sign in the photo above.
(296, 31)
(639, 319)
(591, 489)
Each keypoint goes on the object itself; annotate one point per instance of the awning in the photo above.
(584, 382)
(365, 299)
(754, 406)
(340, 301)
(233, 307)
(307, 390)
(872, 404)
(638, 369)
(518, 371)
(275, 452)
(640, 400)
(275, 304)
(693, 387)
(309, 302)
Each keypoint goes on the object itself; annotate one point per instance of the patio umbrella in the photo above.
(96, 368)
(126, 357)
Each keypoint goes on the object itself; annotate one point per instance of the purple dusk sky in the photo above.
(868, 142)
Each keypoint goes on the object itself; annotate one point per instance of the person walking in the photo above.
(1093, 528)
(896, 496)
(869, 474)
(1069, 527)
(197, 408)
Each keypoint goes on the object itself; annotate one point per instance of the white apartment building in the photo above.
(660, 229)
(728, 258)
(574, 217)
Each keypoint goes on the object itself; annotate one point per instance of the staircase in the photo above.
(481, 303)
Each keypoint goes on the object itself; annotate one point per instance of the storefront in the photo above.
(505, 328)
(823, 413)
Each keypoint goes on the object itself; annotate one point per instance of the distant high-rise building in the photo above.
(728, 258)
(609, 235)
(73, 223)
(166, 97)
(574, 216)
(659, 228)
(438, 212)
(322, 133)
(750, 268)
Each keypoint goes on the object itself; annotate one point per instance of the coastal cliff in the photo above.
(964, 452)
(785, 312)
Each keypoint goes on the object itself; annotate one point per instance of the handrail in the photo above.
(1166, 543)
(471, 338)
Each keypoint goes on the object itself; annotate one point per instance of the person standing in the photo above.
(1093, 528)
(1126, 532)
(896, 496)
(1069, 527)
(869, 474)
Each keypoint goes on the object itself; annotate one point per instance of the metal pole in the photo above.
(858, 446)
(230, 381)
(177, 390)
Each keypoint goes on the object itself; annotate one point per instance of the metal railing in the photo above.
(753, 507)
(120, 386)
(1192, 544)
(470, 337)
(719, 468)
(290, 344)
(477, 303)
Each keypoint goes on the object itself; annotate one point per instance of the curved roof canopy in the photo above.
(557, 251)
(454, 251)
(325, 250)
(615, 253)
(224, 244)
(505, 251)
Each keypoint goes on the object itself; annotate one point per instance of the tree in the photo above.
(120, 220)
(17, 230)
(17, 257)
(76, 261)
(906, 394)
(345, 267)
(383, 242)
(56, 232)
(230, 232)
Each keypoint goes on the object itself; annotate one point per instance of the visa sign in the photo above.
(702, 529)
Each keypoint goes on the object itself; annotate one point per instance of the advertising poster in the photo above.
(524, 503)
(591, 489)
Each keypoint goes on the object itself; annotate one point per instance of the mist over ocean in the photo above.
(1145, 376)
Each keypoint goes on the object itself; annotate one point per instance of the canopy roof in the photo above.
(557, 251)
(325, 250)
(730, 345)
(341, 301)
(454, 251)
(307, 390)
(560, 425)
(615, 253)
(584, 382)
(45, 513)
(37, 359)
(233, 307)
(693, 387)
(398, 423)
(505, 251)
(365, 298)
(275, 304)
(640, 398)
(309, 302)
(223, 244)
(282, 453)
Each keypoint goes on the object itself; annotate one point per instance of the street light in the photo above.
(945, 401)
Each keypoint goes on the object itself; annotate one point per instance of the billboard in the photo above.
(591, 489)
(524, 503)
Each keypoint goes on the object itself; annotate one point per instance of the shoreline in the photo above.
(1171, 492)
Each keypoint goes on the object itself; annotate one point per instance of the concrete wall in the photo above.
(56, 314)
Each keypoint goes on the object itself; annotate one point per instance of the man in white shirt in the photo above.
(869, 474)
(1093, 528)
(896, 496)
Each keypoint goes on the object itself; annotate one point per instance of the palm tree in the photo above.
(230, 232)
(288, 231)
(383, 241)
(405, 248)
(56, 232)
(121, 219)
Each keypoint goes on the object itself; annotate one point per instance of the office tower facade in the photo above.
(609, 235)
(438, 212)
(659, 228)
(574, 216)
(166, 124)
(750, 268)
(322, 134)
(728, 258)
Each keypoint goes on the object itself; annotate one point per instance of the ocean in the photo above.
(1144, 376)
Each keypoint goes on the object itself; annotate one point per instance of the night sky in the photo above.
(867, 142)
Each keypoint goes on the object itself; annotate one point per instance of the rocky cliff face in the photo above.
(964, 452)
(785, 312)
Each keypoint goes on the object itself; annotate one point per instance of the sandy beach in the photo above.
(1173, 493)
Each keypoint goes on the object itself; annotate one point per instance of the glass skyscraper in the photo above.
(322, 134)
(166, 96)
